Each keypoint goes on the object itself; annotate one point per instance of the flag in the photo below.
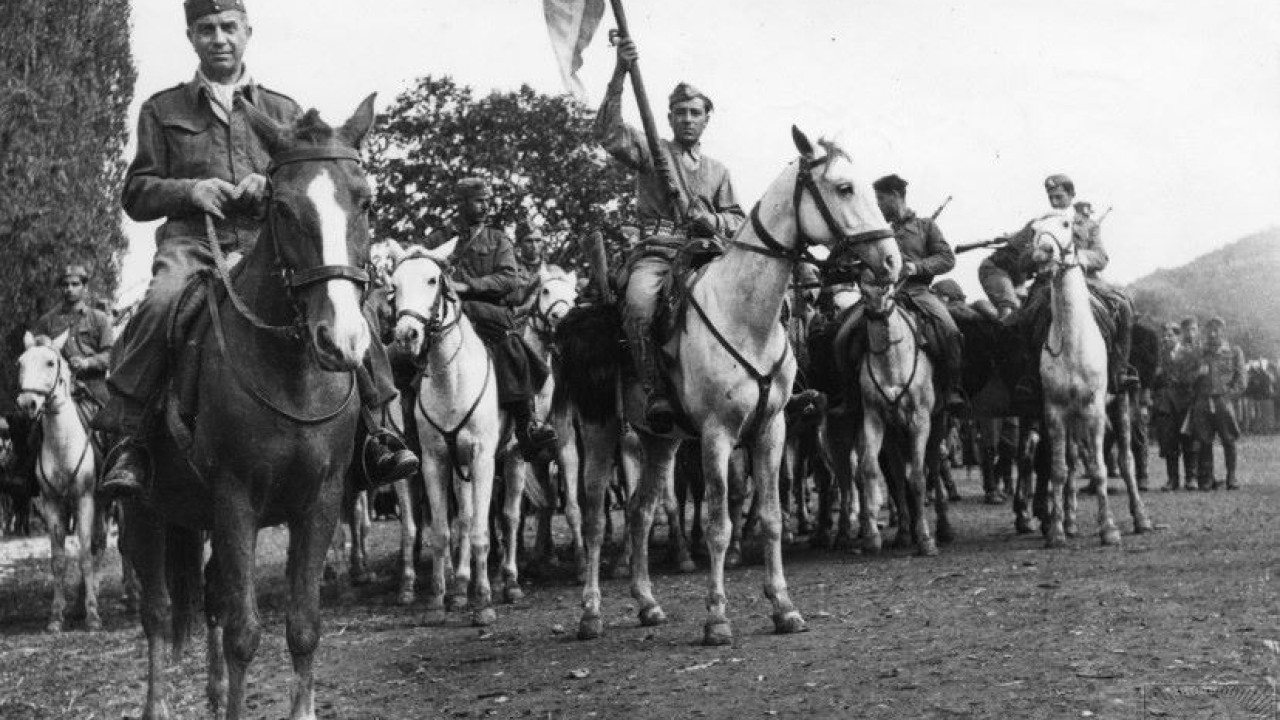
(571, 24)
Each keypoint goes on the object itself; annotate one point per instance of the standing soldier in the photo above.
(710, 210)
(925, 255)
(1013, 264)
(198, 155)
(1169, 408)
(89, 336)
(1219, 380)
(485, 275)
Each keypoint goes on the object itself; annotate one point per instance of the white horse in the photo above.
(732, 375)
(459, 424)
(65, 470)
(555, 294)
(1073, 370)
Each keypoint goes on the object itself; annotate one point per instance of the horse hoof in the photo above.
(512, 594)
(1070, 529)
(1111, 536)
(652, 616)
(927, 549)
(54, 626)
(484, 618)
(1142, 526)
(590, 628)
(716, 634)
(1055, 540)
(733, 559)
(1023, 526)
(405, 597)
(788, 623)
(687, 566)
(93, 623)
(873, 544)
(434, 617)
(456, 603)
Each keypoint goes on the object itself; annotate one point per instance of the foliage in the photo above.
(1235, 282)
(66, 81)
(538, 153)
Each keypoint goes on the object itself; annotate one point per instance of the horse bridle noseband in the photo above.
(806, 184)
(539, 319)
(434, 325)
(59, 364)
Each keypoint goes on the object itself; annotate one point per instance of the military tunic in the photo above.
(1219, 379)
(89, 336)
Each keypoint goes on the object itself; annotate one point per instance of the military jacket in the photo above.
(484, 259)
(1013, 265)
(920, 241)
(182, 140)
(90, 336)
(1225, 376)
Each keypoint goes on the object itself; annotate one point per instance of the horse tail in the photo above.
(591, 358)
(184, 558)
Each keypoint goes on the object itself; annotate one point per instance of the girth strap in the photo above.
(451, 436)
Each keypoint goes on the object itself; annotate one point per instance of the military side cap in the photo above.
(1215, 321)
(472, 188)
(949, 289)
(890, 184)
(1055, 181)
(199, 8)
(685, 92)
(528, 233)
(1189, 322)
(75, 270)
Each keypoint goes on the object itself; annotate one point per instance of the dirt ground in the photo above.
(1180, 623)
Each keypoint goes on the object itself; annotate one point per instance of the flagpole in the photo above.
(646, 118)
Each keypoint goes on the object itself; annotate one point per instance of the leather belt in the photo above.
(649, 228)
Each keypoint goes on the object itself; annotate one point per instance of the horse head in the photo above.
(879, 294)
(43, 376)
(420, 285)
(318, 224)
(835, 206)
(1053, 249)
(557, 294)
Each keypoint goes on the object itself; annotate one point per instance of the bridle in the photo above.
(805, 184)
(61, 373)
(1068, 255)
(438, 321)
(540, 318)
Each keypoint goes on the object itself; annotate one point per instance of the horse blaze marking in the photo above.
(347, 319)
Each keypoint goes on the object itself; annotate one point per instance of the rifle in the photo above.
(646, 116)
(1104, 215)
(941, 207)
(966, 247)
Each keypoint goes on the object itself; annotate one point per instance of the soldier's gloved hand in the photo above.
(702, 221)
(461, 287)
(211, 194)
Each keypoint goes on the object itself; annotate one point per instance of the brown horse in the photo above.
(275, 422)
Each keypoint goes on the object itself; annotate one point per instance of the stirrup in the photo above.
(386, 459)
(126, 475)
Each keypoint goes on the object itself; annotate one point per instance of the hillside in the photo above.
(1238, 282)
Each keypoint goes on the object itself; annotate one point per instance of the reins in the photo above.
(48, 395)
(889, 343)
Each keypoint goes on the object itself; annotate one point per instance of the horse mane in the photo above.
(312, 130)
(833, 149)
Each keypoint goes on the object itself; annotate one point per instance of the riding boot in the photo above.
(387, 459)
(1229, 459)
(128, 463)
(537, 440)
(659, 415)
(1122, 375)
(1171, 469)
(954, 398)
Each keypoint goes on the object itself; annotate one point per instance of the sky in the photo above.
(1167, 112)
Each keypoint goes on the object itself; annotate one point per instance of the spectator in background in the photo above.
(1219, 378)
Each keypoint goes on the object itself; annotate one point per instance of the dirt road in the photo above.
(996, 626)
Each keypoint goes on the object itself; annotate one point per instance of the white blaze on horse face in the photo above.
(1053, 237)
(416, 282)
(349, 331)
(38, 369)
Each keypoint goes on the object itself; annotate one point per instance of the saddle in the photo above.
(1038, 325)
(187, 329)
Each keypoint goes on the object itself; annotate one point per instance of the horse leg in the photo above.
(598, 445)
(408, 533)
(841, 437)
(235, 540)
(513, 476)
(659, 458)
(87, 524)
(482, 612)
(917, 486)
(461, 531)
(1095, 467)
(215, 658)
(56, 523)
(358, 523)
(716, 451)
(308, 537)
(143, 540)
(787, 470)
(1059, 447)
(676, 540)
(868, 478)
(806, 451)
(766, 454)
(1123, 419)
(935, 458)
(569, 468)
(738, 510)
(630, 474)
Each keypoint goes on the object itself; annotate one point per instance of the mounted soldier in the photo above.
(925, 255)
(708, 209)
(198, 156)
(89, 335)
(486, 276)
(1012, 265)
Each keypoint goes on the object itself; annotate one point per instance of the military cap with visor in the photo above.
(1058, 180)
(197, 9)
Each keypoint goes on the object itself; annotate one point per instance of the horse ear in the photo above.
(355, 129)
(802, 142)
(28, 340)
(442, 252)
(275, 136)
(573, 278)
(395, 250)
(59, 341)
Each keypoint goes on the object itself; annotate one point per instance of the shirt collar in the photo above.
(694, 151)
(200, 84)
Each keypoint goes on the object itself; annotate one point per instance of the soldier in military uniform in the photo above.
(198, 154)
(485, 275)
(89, 335)
(1219, 379)
(1012, 265)
(709, 210)
(925, 255)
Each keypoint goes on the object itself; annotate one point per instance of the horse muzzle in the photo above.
(30, 404)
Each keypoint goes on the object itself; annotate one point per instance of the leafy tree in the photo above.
(537, 151)
(66, 81)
